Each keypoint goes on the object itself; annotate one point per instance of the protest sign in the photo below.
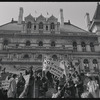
(55, 69)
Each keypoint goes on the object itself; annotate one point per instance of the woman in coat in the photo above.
(20, 85)
(12, 87)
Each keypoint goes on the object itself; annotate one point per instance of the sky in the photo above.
(73, 11)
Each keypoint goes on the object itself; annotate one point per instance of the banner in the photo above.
(55, 69)
(26, 77)
(5, 84)
(65, 65)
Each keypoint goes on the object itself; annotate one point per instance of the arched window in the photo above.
(28, 43)
(5, 42)
(40, 25)
(46, 27)
(86, 65)
(95, 65)
(74, 46)
(40, 43)
(53, 44)
(17, 45)
(34, 27)
(39, 57)
(92, 47)
(54, 57)
(83, 46)
(15, 55)
(26, 56)
(29, 25)
(63, 46)
(52, 26)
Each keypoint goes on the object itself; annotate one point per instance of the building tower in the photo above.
(20, 17)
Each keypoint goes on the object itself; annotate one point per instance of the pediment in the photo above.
(52, 18)
(29, 17)
(41, 17)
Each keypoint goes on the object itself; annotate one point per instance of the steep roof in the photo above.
(68, 27)
(97, 12)
(41, 17)
(13, 26)
(52, 17)
(30, 17)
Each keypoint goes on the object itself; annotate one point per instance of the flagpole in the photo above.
(65, 68)
(42, 67)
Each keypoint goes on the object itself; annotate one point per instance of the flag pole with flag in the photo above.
(35, 14)
(47, 15)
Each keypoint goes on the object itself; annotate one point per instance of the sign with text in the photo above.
(55, 69)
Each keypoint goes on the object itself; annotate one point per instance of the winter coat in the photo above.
(12, 88)
(20, 86)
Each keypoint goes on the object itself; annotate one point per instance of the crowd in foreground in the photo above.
(76, 85)
(15, 88)
(16, 85)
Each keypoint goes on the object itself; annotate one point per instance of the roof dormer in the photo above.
(29, 18)
(41, 18)
(52, 19)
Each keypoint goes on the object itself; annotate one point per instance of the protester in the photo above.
(58, 94)
(31, 72)
(56, 83)
(12, 87)
(50, 79)
(39, 82)
(44, 85)
(20, 84)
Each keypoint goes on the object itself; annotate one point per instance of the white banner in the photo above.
(5, 84)
(55, 69)
(26, 77)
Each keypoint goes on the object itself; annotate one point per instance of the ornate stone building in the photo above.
(24, 43)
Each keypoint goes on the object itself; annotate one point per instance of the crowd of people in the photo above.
(16, 85)
(74, 85)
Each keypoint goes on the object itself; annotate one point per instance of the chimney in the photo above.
(68, 21)
(20, 17)
(87, 21)
(61, 17)
(12, 20)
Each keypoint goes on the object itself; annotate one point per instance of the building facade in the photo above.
(24, 43)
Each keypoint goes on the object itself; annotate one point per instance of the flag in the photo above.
(47, 13)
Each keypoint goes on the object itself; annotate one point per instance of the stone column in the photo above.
(25, 28)
(32, 28)
(48, 27)
(99, 64)
(81, 63)
(37, 27)
(1, 46)
(90, 64)
(55, 27)
(44, 27)
(96, 47)
(88, 47)
(79, 48)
